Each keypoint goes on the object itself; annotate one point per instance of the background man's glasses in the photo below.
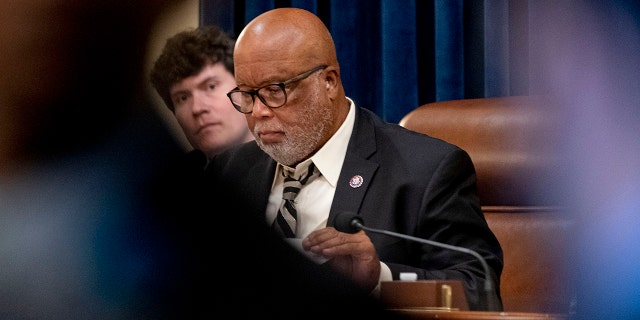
(272, 95)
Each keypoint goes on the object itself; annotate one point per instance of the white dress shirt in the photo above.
(313, 202)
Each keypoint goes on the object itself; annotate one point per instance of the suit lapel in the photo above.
(260, 179)
(358, 170)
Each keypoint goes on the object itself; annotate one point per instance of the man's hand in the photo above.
(351, 254)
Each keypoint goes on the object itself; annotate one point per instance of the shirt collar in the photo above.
(330, 157)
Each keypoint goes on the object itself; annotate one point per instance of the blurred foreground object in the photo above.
(80, 237)
(587, 54)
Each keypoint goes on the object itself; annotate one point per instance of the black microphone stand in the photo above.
(490, 300)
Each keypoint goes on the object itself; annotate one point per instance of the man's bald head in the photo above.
(286, 35)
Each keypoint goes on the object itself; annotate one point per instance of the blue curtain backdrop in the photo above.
(396, 55)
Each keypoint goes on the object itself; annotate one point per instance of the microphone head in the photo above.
(347, 222)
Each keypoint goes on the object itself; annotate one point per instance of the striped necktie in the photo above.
(285, 222)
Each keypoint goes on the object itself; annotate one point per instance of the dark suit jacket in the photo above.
(412, 184)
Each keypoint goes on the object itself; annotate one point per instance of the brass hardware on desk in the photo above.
(446, 296)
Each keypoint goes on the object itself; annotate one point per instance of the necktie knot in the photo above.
(285, 222)
(293, 181)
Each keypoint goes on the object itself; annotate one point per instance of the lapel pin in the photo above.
(356, 181)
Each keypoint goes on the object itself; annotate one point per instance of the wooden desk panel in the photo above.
(425, 313)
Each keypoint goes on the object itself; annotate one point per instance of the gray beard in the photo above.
(302, 140)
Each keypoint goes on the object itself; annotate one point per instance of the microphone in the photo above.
(350, 222)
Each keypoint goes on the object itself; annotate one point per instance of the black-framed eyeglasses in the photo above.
(272, 95)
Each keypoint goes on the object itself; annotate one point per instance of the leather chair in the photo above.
(514, 144)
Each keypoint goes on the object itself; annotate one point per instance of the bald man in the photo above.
(290, 90)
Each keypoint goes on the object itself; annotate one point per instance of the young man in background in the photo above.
(193, 74)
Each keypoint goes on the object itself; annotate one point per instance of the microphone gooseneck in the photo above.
(350, 222)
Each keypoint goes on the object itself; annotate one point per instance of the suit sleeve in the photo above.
(450, 213)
